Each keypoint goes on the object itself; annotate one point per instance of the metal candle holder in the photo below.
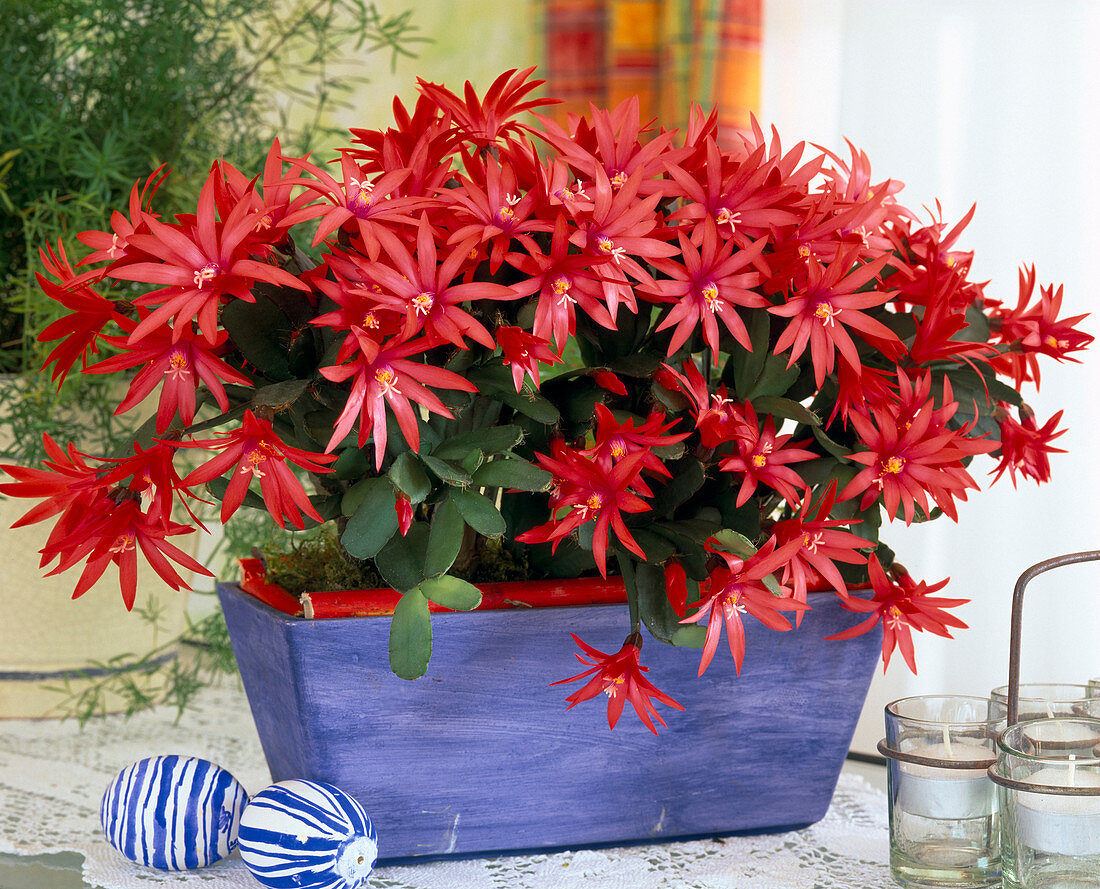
(1049, 838)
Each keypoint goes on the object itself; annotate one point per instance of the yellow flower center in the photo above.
(177, 365)
(759, 461)
(893, 465)
(618, 179)
(207, 273)
(825, 312)
(710, 297)
(370, 321)
(388, 379)
(726, 217)
(423, 302)
(618, 447)
(255, 457)
(506, 214)
(122, 543)
(804, 251)
(594, 501)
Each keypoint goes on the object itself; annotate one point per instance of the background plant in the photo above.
(92, 91)
(89, 93)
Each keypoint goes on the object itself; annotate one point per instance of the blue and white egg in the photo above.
(307, 835)
(173, 812)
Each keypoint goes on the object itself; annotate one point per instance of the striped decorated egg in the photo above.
(307, 835)
(173, 812)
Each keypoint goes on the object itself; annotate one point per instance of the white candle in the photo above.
(1061, 734)
(946, 793)
(1067, 825)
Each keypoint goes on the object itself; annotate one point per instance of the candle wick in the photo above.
(947, 743)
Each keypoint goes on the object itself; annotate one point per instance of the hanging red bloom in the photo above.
(80, 330)
(524, 352)
(737, 588)
(823, 542)
(113, 534)
(901, 605)
(1025, 446)
(619, 676)
(255, 451)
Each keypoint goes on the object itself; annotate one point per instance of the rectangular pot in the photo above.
(480, 756)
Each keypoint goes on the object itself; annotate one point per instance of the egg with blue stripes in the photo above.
(307, 835)
(173, 812)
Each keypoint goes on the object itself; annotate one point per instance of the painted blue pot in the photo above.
(479, 755)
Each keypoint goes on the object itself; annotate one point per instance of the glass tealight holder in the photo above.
(1094, 688)
(1048, 772)
(944, 829)
(1046, 700)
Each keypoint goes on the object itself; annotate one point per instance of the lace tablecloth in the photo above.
(53, 774)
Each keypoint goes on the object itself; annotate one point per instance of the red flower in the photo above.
(524, 352)
(592, 494)
(358, 206)
(1036, 330)
(617, 234)
(562, 280)
(718, 418)
(619, 676)
(485, 121)
(255, 451)
(64, 479)
(200, 266)
(89, 314)
(113, 533)
(738, 588)
(762, 456)
(822, 543)
(704, 287)
(1024, 446)
(901, 605)
(421, 286)
(177, 362)
(383, 375)
(822, 313)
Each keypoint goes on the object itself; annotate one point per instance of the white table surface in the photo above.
(51, 775)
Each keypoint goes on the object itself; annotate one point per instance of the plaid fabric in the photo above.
(669, 53)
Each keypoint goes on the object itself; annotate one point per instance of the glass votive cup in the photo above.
(944, 828)
(1094, 688)
(1045, 700)
(1050, 834)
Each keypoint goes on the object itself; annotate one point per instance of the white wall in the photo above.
(996, 103)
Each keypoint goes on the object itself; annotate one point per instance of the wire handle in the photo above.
(1017, 619)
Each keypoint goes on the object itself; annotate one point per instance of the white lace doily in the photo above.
(53, 774)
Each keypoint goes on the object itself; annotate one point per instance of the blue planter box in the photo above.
(479, 755)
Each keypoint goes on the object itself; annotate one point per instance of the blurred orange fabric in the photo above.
(669, 52)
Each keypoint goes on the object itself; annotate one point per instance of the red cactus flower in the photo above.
(737, 588)
(255, 451)
(619, 676)
(1025, 446)
(524, 352)
(901, 605)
